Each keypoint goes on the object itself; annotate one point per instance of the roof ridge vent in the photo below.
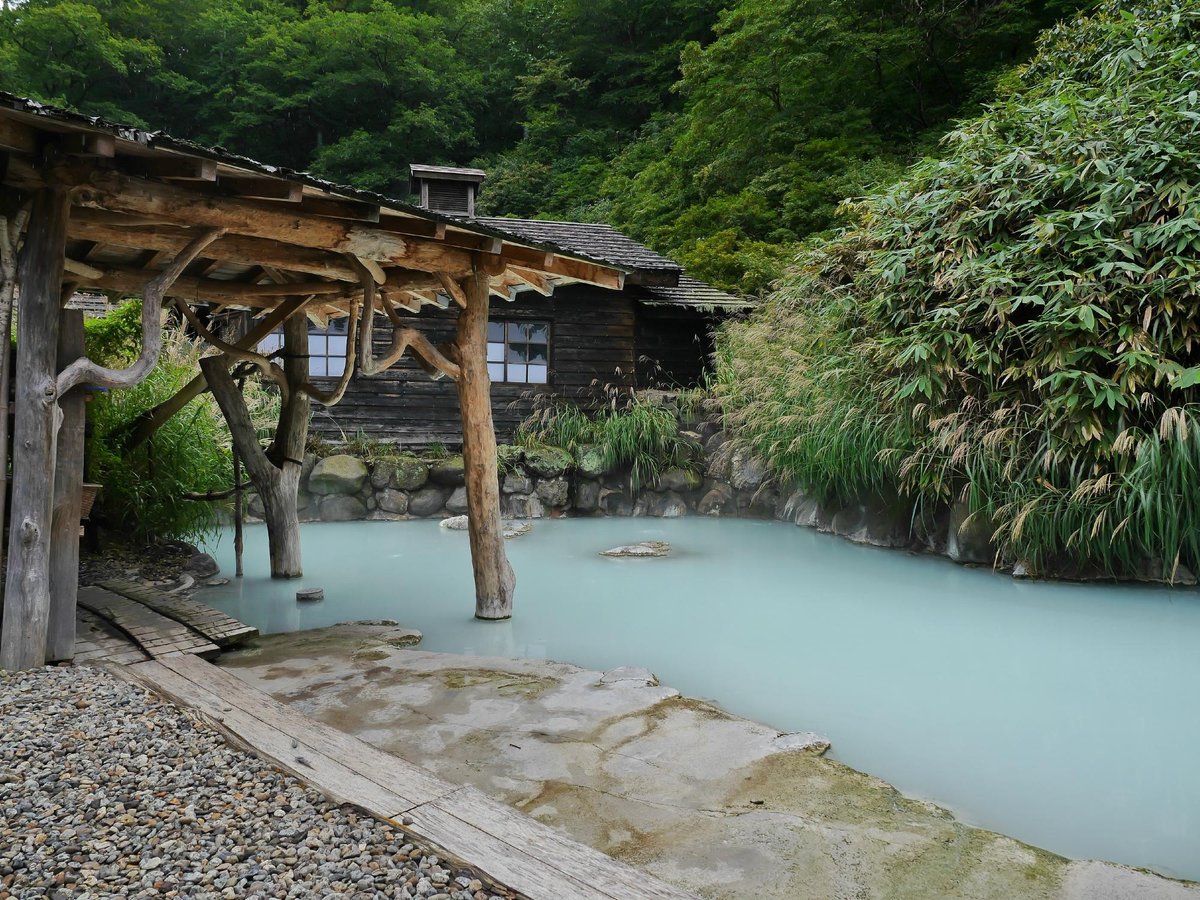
(447, 189)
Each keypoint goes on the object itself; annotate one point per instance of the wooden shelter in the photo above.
(108, 207)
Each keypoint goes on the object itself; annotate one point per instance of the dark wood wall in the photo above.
(673, 346)
(592, 342)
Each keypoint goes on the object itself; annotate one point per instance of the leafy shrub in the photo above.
(1016, 323)
(144, 490)
(627, 431)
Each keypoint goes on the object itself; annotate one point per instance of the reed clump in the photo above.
(1014, 324)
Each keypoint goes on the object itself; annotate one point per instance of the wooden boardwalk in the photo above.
(97, 640)
(224, 631)
(512, 848)
(150, 630)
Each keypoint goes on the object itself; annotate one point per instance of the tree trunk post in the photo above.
(68, 497)
(239, 540)
(27, 587)
(275, 474)
(494, 578)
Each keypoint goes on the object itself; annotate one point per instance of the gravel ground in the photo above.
(107, 791)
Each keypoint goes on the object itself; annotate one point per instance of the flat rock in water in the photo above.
(643, 550)
(808, 741)
(630, 673)
(310, 595)
(512, 528)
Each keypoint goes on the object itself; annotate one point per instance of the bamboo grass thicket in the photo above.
(1015, 324)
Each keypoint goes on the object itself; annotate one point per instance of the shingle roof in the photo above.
(605, 242)
(598, 241)
(693, 292)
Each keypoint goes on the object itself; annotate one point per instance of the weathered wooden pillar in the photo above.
(276, 473)
(27, 587)
(68, 498)
(494, 578)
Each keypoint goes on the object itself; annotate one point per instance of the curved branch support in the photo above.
(403, 339)
(334, 396)
(84, 371)
(238, 354)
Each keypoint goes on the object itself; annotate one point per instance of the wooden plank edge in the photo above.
(212, 651)
(143, 674)
(130, 589)
(389, 771)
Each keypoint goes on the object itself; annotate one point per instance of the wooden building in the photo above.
(654, 331)
(89, 204)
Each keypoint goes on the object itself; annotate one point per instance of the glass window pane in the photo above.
(496, 331)
(270, 343)
(518, 353)
(539, 333)
(496, 352)
(496, 371)
(537, 374)
(316, 366)
(316, 345)
(337, 346)
(336, 366)
(338, 326)
(539, 353)
(518, 331)
(516, 373)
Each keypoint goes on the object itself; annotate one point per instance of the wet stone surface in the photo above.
(107, 791)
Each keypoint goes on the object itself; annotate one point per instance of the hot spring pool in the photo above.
(1065, 715)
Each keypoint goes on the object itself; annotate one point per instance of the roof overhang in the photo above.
(140, 196)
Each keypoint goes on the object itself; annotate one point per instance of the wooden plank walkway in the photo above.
(152, 631)
(516, 850)
(224, 631)
(96, 640)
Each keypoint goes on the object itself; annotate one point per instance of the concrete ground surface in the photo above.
(719, 805)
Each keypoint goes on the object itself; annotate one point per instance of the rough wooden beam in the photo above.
(95, 144)
(173, 203)
(553, 265)
(451, 289)
(375, 269)
(172, 168)
(98, 225)
(84, 371)
(75, 267)
(211, 289)
(260, 188)
(340, 209)
(535, 280)
(18, 136)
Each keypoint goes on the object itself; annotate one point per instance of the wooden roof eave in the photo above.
(144, 191)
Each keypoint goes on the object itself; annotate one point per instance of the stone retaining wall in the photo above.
(549, 482)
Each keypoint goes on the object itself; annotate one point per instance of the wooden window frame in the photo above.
(508, 323)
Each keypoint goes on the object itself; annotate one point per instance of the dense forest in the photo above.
(723, 132)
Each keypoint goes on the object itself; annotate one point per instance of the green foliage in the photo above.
(1016, 323)
(719, 131)
(798, 104)
(627, 432)
(144, 491)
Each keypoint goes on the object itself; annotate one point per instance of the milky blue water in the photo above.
(1065, 715)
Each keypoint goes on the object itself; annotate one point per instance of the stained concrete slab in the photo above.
(720, 805)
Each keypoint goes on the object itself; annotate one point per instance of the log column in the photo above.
(68, 498)
(27, 587)
(494, 578)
